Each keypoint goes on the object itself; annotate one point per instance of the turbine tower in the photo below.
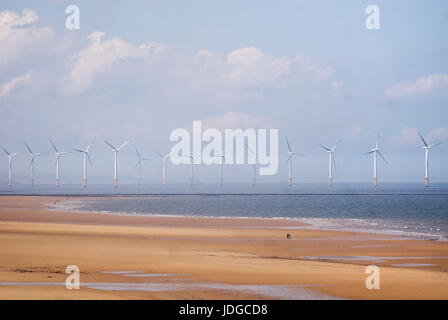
(191, 166)
(32, 163)
(58, 156)
(139, 166)
(376, 151)
(332, 162)
(163, 157)
(223, 161)
(426, 147)
(10, 157)
(86, 156)
(115, 151)
(290, 155)
(254, 165)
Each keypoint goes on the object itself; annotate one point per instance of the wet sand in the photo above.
(203, 258)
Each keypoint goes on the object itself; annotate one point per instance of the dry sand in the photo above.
(36, 245)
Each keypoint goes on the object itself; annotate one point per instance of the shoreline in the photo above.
(308, 222)
(243, 259)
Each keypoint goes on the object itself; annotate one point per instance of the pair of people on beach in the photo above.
(288, 236)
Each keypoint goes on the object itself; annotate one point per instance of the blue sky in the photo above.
(309, 68)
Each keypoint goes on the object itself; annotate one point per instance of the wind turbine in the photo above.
(223, 161)
(32, 163)
(139, 165)
(58, 156)
(376, 151)
(163, 157)
(192, 164)
(427, 147)
(115, 151)
(10, 157)
(290, 155)
(86, 156)
(331, 163)
(254, 165)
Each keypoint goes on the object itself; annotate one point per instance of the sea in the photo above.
(390, 208)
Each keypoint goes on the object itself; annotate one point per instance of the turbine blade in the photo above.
(88, 147)
(123, 145)
(289, 159)
(379, 152)
(334, 147)
(138, 154)
(421, 137)
(110, 145)
(287, 142)
(54, 147)
(325, 148)
(90, 160)
(435, 145)
(77, 150)
(28, 147)
(371, 151)
(5, 150)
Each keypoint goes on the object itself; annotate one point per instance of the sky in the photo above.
(310, 69)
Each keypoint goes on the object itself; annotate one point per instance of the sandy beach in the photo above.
(151, 257)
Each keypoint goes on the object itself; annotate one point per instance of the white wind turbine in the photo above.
(427, 147)
(32, 163)
(290, 155)
(332, 162)
(254, 165)
(58, 156)
(223, 161)
(191, 166)
(10, 157)
(163, 157)
(115, 151)
(86, 156)
(139, 166)
(376, 151)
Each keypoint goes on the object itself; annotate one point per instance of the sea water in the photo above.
(403, 209)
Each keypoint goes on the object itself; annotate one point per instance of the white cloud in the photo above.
(101, 55)
(250, 65)
(13, 83)
(438, 134)
(355, 131)
(423, 85)
(237, 120)
(408, 137)
(18, 34)
(219, 77)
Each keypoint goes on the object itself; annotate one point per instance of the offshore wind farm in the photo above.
(222, 161)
